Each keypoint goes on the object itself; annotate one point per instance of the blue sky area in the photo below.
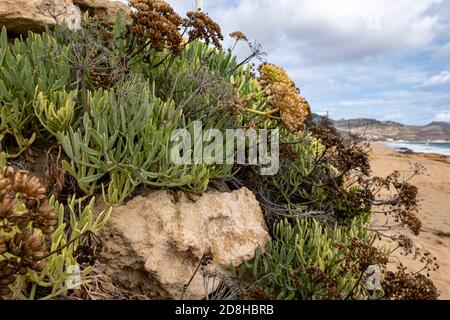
(382, 59)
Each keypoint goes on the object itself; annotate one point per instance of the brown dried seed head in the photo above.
(238, 35)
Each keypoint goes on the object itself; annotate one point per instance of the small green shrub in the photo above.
(307, 260)
(29, 66)
(74, 220)
(301, 172)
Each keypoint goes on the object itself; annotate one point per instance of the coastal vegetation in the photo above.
(98, 106)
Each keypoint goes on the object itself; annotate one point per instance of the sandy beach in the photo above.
(434, 193)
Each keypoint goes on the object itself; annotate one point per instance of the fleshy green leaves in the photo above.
(32, 66)
(54, 276)
(55, 110)
(296, 247)
(125, 142)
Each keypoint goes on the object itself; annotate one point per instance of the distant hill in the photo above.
(371, 129)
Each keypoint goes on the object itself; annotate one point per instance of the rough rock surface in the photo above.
(20, 16)
(153, 244)
(98, 7)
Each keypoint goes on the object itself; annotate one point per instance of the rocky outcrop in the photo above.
(153, 244)
(99, 7)
(21, 16)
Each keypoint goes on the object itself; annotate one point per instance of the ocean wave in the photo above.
(421, 147)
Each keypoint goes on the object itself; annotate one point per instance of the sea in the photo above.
(421, 147)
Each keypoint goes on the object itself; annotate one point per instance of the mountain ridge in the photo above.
(375, 130)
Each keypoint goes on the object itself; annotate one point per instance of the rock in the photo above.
(99, 7)
(19, 16)
(153, 244)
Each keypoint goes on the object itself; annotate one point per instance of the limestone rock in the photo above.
(19, 16)
(99, 7)
(153, 243)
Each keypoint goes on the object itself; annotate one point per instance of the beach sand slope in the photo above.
(434, 193)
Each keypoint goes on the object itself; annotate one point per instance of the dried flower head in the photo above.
(25, 218)
(294, 109)
(359, 255)
(160, 24)
(238, 36)
(257, 293)
(207, 257)
(304, 277)
(201, 26)
(28, 247)
(404, 205)
(283, 95)
(29, 188)
(404, 285)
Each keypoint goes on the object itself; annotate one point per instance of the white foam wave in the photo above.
(420, 147)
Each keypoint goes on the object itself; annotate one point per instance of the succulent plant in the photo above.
(126, 139)
(112, 94)
(304, 261)
(75, 223)
(34, 64)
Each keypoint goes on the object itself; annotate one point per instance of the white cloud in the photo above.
(393, 117)
(362, 102)
(444, 116)
(437, 80)
(330, 30)
(354, 58)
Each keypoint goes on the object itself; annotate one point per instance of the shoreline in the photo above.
(434, 197)
(408, 147)
(431, 156)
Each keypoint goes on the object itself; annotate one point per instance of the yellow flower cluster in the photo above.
(294, 109)
(271, 73)
(283, 95)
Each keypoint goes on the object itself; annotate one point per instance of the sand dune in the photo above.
(434, 193)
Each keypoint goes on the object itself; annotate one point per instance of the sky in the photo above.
(381, 59)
